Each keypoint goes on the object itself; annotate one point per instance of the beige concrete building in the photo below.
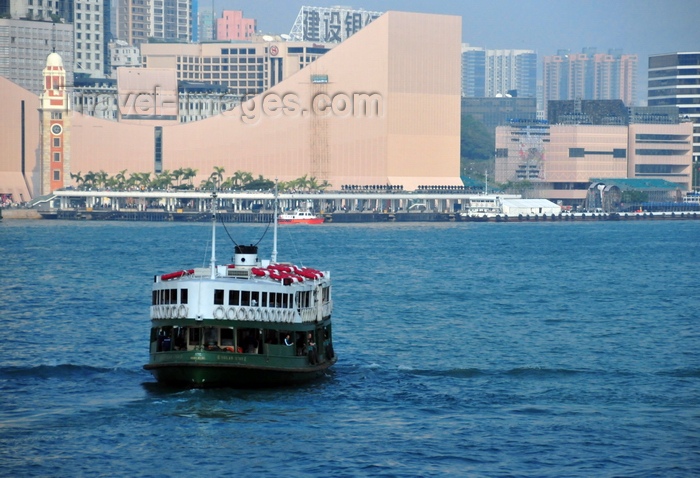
(381, 108)
(246, 68)
(559, 161)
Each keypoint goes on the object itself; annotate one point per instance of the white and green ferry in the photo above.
(250, 323)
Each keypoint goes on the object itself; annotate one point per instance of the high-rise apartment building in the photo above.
(473, 71)
(206, 30)
(168, 20)
(492, 73)
(24, 46)
(590, 76)
(674, 80)
(89, 18)
(232, 26)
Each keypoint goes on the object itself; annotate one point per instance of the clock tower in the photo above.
(54, 114)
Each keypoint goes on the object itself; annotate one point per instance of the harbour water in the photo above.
(465, 349)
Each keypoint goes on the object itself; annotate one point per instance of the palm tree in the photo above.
(78, 179)
(177, 174)
(142, 180)
(163, 180)
(261, 184)
(188, 175)
(89, 180)
(121, 179)
(101, 179)
(218, 175)
(208, 184)
(111, 182)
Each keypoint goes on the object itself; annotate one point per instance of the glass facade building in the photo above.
(674, 80)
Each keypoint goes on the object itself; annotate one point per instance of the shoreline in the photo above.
(336, 217)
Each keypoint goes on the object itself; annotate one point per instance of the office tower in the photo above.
(492, 73)
(590, 76)
(674, 80)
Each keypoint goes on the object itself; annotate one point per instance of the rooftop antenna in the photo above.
(273, 256)
(213, 235)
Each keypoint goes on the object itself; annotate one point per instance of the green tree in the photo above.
(218, 175)
(101, 179)
(188, 175)
(79, 180)
(177, 175)
(163, 180)
(259, 184)
(89, 180)
(476, 142)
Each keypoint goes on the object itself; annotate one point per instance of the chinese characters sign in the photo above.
(330, 25)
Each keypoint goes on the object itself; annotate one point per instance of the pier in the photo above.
(336, 207)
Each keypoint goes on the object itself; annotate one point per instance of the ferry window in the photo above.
(154, 298)
(245, 297)
(195, 335)
(173, 296)
(218, 297)
(263, 299)
(211, 336)
(161, 296)
(274, 300)
(233, 297)
(227, 336)
(271, 337)
(256, 298)
(285, 300)
(180, 334)
(183, 296)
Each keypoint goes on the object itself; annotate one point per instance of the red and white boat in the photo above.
(300, 217)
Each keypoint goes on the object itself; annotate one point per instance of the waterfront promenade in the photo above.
(336, 207)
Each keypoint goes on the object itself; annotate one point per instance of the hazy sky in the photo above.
(643, 27)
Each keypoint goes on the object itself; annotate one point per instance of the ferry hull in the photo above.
(209, 375)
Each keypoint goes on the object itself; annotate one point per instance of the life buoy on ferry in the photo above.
(231, 313)
(219, 312)
(250, 314)
(240, 313)
(258, 314)
(182, 311)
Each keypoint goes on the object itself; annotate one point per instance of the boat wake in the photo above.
(63, 372)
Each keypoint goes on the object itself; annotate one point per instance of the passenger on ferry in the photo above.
(288, 341)
(311, 350)
(180, 343)
(250, 344)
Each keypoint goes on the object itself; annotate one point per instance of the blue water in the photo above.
(471, 349)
